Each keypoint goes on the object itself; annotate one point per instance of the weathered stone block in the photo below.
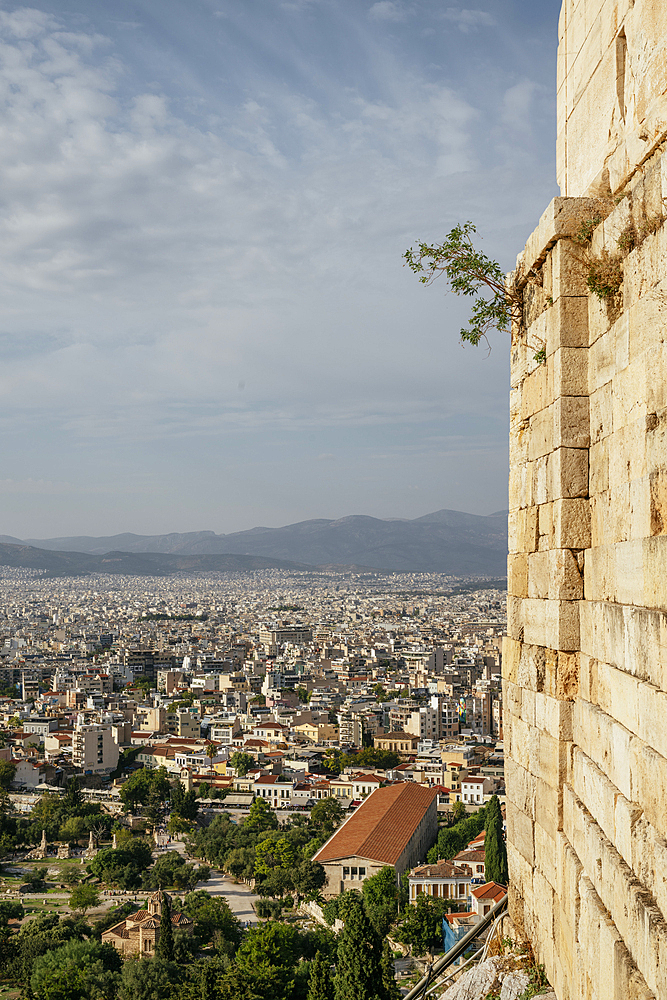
(567, 323)
(520, 833)
(571, 424)
(570, 371)
(567, 474)
(572, 523)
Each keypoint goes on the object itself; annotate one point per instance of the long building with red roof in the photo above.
(394, 826)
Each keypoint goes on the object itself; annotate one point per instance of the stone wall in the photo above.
(585, 661)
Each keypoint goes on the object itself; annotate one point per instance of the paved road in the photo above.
(239, 897)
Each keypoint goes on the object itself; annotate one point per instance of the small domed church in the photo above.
(140, 932)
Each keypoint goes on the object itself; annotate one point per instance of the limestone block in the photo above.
(599, 573)
(601, 411)
(572, 523)
(565, 578)
(606, 742)
(539, 574)
(548, 818)
(561, 625)
(521, 736)
(570, 371)
(558, 220)
(631, 398)
(627, 453)
(567, 676)
(534, 621)
(654, 590)
(569, 279)
(626, 817)
(541, 439)
(568, 873)
(545, 524)
(649, 857)
(645, 505)
(532, 667)
(534, 392)
(515, 627)
(510, 659)
(567, 474)
(657, 503)
(571, 422)
(602, 521)
(517, 574)
(523, 530)
(567, 323)
(634, 639)
(528, 707)
(546, 853)
(598, 468)
(520, 833)
(595, 791)
(634, 583)
(521, 787)
(652, 716)
(602, 365)
(554, 716)
(548, 758)
(540, 480)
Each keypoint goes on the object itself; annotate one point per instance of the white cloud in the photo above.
(468, 20)
(388, 10)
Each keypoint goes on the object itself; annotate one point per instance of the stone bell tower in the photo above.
(585, 660)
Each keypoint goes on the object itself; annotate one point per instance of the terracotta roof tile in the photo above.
(381, 827)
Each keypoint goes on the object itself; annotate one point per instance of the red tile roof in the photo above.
(382, 826)
(490, 890)
(444, 869)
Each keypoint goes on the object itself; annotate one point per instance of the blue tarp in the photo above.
(450, 935)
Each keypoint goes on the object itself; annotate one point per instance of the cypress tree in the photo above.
(495, 851)
(320, 981)
(165, 945)
(358, 971)
(391, 991)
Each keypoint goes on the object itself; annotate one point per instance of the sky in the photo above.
(204, 205)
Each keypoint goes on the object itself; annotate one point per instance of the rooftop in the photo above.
(381, 827)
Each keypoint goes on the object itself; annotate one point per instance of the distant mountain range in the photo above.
(447, 541)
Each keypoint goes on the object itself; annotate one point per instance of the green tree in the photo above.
(84, 897)
(7, 773)
(421, 925)
(165, 945)
(307, 879)
(469, 272)
(242, 762)
(320, 982)
(326, 815)
(71, 875)
(212, 916)
(381, 896)
(269, 953)
(73, 829)
(495, 851)
(358, 970)
(260, 817)
(147, 979)
(391, 990)
(271, 854)
(77, 970)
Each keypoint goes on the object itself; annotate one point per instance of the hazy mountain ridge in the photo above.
(62, 563)
(445, 541)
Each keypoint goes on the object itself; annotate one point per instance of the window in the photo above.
(362, 873)
(354, 872)
(346, 873)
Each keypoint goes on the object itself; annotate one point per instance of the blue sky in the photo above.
(203, 210)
